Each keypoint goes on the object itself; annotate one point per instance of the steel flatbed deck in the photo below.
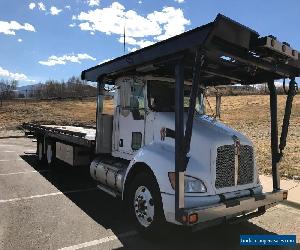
(81, 136)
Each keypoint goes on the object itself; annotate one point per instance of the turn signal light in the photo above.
(284, 48)
(285, 195)
(193, 218)
(272, 42)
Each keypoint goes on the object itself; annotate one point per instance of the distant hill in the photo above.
(22, 89)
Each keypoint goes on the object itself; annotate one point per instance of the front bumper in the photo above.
(232, 210)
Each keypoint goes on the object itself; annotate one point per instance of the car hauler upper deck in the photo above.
(159, 151)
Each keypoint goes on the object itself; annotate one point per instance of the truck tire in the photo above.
(40, 150)
(145, 205)
(50, 153)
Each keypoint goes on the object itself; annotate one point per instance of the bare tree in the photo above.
(73, 87)
(7, 89)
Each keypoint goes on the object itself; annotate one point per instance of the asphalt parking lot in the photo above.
(42, 208)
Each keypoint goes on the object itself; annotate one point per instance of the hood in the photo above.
(208, 134)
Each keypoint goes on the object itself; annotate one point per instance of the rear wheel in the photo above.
(50, 153)
(145, 204)
(40, 150)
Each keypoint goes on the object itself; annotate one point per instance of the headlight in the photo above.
(191, 184)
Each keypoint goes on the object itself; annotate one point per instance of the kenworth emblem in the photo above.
(237, 146)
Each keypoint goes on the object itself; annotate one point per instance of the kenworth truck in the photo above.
(159, 152)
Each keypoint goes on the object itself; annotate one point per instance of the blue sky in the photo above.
(55, 39)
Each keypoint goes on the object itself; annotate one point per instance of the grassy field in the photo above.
(251, 115)
(248, 114)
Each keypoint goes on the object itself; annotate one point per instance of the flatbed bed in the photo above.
(81, 136)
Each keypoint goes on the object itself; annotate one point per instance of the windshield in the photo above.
(161, 97)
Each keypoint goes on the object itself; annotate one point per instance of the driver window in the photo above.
(160, 97)
(137, 101)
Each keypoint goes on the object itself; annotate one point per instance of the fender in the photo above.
(160, 158)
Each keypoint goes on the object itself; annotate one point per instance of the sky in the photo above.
(56, 39)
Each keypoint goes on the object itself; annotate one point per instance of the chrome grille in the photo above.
(225, 166)
(246, 165)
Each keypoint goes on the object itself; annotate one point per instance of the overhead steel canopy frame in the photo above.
(218, 53)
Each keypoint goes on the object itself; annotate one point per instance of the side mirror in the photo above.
(218, 105)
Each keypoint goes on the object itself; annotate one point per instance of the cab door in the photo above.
(130, 117)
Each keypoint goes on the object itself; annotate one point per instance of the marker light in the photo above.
(193, 218)
(284, 48)
(285, 195)
(272, 42)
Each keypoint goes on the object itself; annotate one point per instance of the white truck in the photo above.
(159, 151)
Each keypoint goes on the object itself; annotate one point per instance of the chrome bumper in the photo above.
(232, 209)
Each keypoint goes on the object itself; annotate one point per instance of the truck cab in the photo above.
(221, 159)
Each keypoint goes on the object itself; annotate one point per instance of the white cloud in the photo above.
(93, 2)
(62, 60)
(111, 20)
(72, 25)
(156, 26)
(140, 2)
(9, 28)
(172, 20)
(14, 76)
(54, 11)
(131, 41)
(20, 40)
(104, 61)
(179, 1)
(85, 26)
(132, 49)
(31, 6)
(68, 7)
(41, 6)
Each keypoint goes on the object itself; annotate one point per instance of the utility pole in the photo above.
(124, 40)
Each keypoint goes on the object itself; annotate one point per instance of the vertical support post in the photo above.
(100, 99)
(287, 114)
(274, 136)
(199, 60)
(218, 105)
(179, 140)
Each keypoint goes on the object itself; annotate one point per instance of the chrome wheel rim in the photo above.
(144, 206)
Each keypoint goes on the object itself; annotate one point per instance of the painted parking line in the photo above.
(26, 172)
(100, 241)
(19, 159)
(7, 151)
(29, 152)
(45, 195)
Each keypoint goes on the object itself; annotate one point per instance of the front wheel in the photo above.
(145, 204)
